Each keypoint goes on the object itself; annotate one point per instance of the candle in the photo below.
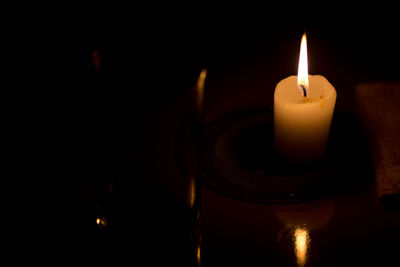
(303, 109)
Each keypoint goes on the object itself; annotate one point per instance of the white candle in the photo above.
(303, 109)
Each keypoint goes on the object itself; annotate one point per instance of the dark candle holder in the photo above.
(240, 161)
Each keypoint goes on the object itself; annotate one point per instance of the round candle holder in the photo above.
(240, 161)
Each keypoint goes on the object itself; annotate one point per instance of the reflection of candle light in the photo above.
(192, 191)
(101, 222)
(198, 255)
(198, 252)
(301, 240)
(200, 89)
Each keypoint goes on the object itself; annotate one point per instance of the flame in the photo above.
(302, 75)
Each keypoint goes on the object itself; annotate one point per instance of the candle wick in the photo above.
(304, 90)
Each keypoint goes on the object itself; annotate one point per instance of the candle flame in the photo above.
(302, 75)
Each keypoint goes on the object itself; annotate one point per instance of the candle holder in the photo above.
(240, 161)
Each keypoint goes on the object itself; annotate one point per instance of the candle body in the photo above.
(301, 125)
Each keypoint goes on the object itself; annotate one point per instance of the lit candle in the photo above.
(303, 109)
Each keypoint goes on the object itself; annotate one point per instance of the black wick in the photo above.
(304, 90)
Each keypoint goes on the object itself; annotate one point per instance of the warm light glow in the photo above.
(101, 222)
(302, 74)
(192, 191)
(198, 252)
(301, 240)
(200, 89)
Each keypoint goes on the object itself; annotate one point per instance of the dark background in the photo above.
(152, 58)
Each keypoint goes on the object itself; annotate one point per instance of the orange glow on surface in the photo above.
(192, 191)
(301, 242)
(101, 222)
(200, 89)
(198, 252)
